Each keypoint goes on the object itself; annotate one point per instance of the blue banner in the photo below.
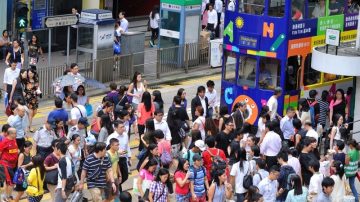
(302, 29)
(39, 11)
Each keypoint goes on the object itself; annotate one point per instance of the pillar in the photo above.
(3, 19)
(356, 129)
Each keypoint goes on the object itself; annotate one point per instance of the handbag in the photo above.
(89, 109)
(77, 196)
(51, 177)
(94, 126)
(358, 175)
(248, 179)
(32, 190)
(19, 177)
(117, 48)
(8, 111)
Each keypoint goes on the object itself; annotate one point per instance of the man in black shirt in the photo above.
(225, 137)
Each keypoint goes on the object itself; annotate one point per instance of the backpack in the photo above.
(286, 183)
(248, 178)
(312, 113)
(217, 163)
(195, 172)
(165, 158)
(183, 129)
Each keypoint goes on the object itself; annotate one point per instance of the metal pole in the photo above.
(68, 45)
(49, 48)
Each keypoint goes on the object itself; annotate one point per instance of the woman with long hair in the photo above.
(182, 181)
(159, 190)
(106, 128)
(59, 128)
(298, 193)
(34, 51)
(107, 109)
(199, 123)
(158, 101)
(219, 189)
(146, 176)
(75, 153)
(136, 89)
(182, 94)
(351, 168)
(210, 127)
(145, 111)
(238, 171)
(83, 99)
(304, 111)
(253, 195)
(36, 178)
(338, 106)
(340, 181)
(18, 87)
(224, 115)
(32, 94)
(335, 134)
(154, 20)
(151, 153)
(24, 162)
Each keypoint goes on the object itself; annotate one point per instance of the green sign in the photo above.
(182, 2)
(333, 22)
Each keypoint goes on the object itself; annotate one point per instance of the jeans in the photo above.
(353, 188)
(240, 197)
(210, 112)
(3, 52)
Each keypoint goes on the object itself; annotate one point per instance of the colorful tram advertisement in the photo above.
(268, 43)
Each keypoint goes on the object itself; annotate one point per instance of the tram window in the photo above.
(317, 9)
(336, 7)
(352, 7)
(255, 7)
(297, 10)
(247, 71)
(293, 65)
(311, 76)
(230, 66)
(276, 8)
(231, 5)
(269, 73)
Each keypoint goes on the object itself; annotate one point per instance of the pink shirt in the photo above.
(146, 175)
(332, 103)
(145, 115)
(164, 145)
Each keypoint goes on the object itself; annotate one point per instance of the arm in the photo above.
(211, 192)
(139, 186)
(20, 160)
(98, 120)
(192, 190)
(228, 191)
(12, 90)
(221, 122)
(332, 135)
(195, 126)
(144, 163)
(82, 178)
(131, 88)
(182, 182)
(7, 61)
(347, 160)
(331, 115)
(151, 196)
(22, 59)
(110, 175)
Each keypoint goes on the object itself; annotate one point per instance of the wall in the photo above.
(3, 11)
(357, 111)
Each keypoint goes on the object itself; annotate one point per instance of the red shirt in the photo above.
(145, 115)
(181, 190)
(208, 161)
(9, 152)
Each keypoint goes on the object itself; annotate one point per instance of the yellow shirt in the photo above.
(33, 180)
(114, 159)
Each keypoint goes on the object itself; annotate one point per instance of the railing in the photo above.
(158, 62)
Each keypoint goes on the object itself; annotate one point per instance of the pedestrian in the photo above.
(136, 89)
(51, 163)
(79, 129)
(339, 154)
(212, 97)
(234, 146)
(237, 174)
(304, 111)
(148, 138)
(271, 145)
(124, 116)
(272, 103)
(146, 176)
(75, 154)
(335, 134)
(20, 122)
(122, 97)
(298, 193)
(287, 127)
(32, 93)
(152, 153)
(36, 179)
(351, 165)
(204, 16)
(4, 131)
(59, 129)
(314, 107)
(307, 155)
(293, 161)
(299, 131)
(97, 169)
(263, 118)
(324, 108)
(106, 128)
(83, 99)
(18, 87)
(158, 101)
(219, 189)
(154, 20)
(161, 124)
(240, 115)
(67, 106)
(182, 181)
(310, 130)
(34, 51)
(114, 156)
(209, 154)
(199, 122)
(4, 43)
(338, 106)
(199, 146)
(113, 95)
(200, 100)
(25, 163)
(164, 148)
(159, 191)
(78, 111)
(223, 116)
(11, 73)
(260, 172)
(43, 138)
(315, 180)
(124, 23)
(218, 6)
(59, 113)
(74, 71)
(73, 31)
(340, 180)
(145, 111)
(182, 94)
(327, 188)
(286, 172)
(66, 174)
(268, 187)
(225, 137)
(15, 54)
(107, 109)
(198, 181)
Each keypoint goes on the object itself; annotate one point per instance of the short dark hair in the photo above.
(210, 83)
(5, 128)
(340, 144)
(274, 168)
(312, 93)
(74, 97)
(210, 141)
(282, 155)
(61, 146)
(315, 165)
(200, 89)
(327, 182)
(117, 123)
(122, 12)
(297, 123)
(269, 125)
(159, 134)
(125, 196)
(58, 102)
(73, 65)
(261, 163)
(290, 109)
(113, 140)
(256, 150)
(177, 100)
(113, 86)
(158, 111)
(99, 146)
(55, 142)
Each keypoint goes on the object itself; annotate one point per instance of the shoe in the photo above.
(32, 130)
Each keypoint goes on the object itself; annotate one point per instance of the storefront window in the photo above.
(230, 66)
(269, 73)
(247, 71)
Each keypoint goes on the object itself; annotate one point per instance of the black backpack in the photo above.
(217, 163)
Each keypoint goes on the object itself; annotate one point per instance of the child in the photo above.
(327, 188)
(261, 173)
(315, 180)
(339, 154)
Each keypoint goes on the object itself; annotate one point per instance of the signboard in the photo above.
(60, 20)
(170, 7)
(302, 29)
(96, 14)
(38, 12)
(332, 37)
(332, 22)
(351, 21)
(182, 2)
(251, 42)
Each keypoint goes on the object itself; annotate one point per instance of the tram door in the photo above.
(292, 82)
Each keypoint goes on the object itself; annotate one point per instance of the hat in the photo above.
(200, 144)
(83, 121)
(197, 157)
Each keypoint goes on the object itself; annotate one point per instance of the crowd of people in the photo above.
(213, 155)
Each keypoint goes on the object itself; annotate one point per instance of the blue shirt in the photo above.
(199, 181)
(20, 124)
(58, 114)
(287, 127)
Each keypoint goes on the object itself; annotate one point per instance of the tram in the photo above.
(268, 43)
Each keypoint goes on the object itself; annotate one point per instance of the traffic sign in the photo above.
(60, 20)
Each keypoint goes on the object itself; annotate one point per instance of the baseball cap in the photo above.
(197, 157)
(83, 121)
(200, 144)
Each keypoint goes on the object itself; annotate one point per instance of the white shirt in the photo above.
(271, 144)
(339, 188)
(295, 164)
(75, 112)
(68, 172)
(218, 6)
(10, 75)
(212, 17)
(200, 121)
(261, 127)
(315, 183)
(123, 142)
(272, 103)
(212, 98)
(154, 23)
(257, 179)
(268, 189)
(312, 133)
(44, 137)
(239, 175)
(203, 104)
(124, 24)
(164, 127)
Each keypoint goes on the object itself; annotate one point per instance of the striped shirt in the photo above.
(199, 183)
(352, 168)
(324, 107)
(96, 171)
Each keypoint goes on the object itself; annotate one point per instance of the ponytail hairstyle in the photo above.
(339, 168)
(354, 144)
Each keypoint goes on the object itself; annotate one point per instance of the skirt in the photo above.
(35, 198)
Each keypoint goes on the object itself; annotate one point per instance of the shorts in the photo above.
(108, 191)
(96, 194)
(175, 151)
(183, 198)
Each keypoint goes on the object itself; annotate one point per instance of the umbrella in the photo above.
(95, 84)
(68, 80)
